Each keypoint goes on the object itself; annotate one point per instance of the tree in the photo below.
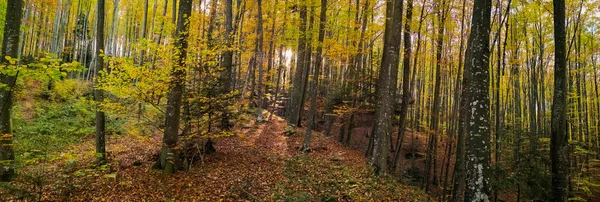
(259, 60)
(386, 85)
(10, 48)
(559, 149)
(296, 102)
(315, 81)
(406, 92)
(169, 160)
(433, 141)
(478, 124)
(98, 94)
(227, 59)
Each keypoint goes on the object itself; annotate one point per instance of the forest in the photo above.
(299, 100)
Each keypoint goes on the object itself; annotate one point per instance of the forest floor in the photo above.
(258, 163)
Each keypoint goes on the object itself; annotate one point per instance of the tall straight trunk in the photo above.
(160, 33)
(227, 60)
(597, 96)
(10, 48)
(315, 81)
(517, 122)
(279, 69)
(111, 41)
(406, 91)
(259, 60)
(432, 154)
(144, 25)
(458, 174)
(478, 124)
(98, 93)
(169, 160)
(298, 89)
(559, 149)
(386, 90)
(271, 54)
(501, 53)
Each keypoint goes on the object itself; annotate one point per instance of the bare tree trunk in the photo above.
(406, 88)
(388, 74)
(259, 61)
(432, 154)
(227, 61)
(98, 93)
(169, 160)
(478, 124)
(298, 89)
(559, 148)
(315, 81)
(10, 48)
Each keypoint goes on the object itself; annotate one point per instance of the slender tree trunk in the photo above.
(559, 148)
(10, 48)
(98, 93)
(169, 160)
(432, 154)
(298, 89)
(227, 60)
(259, 61)
(315, 81)
(160, 33)
(458, 174)
(406, 88)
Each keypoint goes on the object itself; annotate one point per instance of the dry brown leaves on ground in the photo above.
(259, 163)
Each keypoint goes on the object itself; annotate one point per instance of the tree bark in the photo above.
(169, 160)
(10, 48)
(315, 81)
(386, 90)
(98, 93)
(259, 61)
(478, 125)
(227, 60)
(559, 148)
(298, 89)
(406, 88)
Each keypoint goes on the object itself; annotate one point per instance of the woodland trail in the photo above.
(258, 163)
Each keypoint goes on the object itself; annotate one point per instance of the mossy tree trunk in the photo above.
(10, 48)
(169, 159)
(478, 116)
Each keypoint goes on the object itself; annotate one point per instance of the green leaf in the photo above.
(112, 175)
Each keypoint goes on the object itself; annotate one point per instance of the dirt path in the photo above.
(258, 163)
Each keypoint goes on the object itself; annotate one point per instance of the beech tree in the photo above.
(559, 149)
(98, 94)
(478, 124)
(169, 160)
(10, 48)
(386, 91)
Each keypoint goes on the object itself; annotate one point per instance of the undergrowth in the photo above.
(316, 179)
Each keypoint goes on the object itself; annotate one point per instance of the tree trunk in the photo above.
(478, 124)
(227, 60)
(388, 74)
(406, 88)
(98, 93)
(315, 81)
(10, 48)
(559, 148)
(298, 89)
(432, 154)
(259, 61)
(169, 160)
